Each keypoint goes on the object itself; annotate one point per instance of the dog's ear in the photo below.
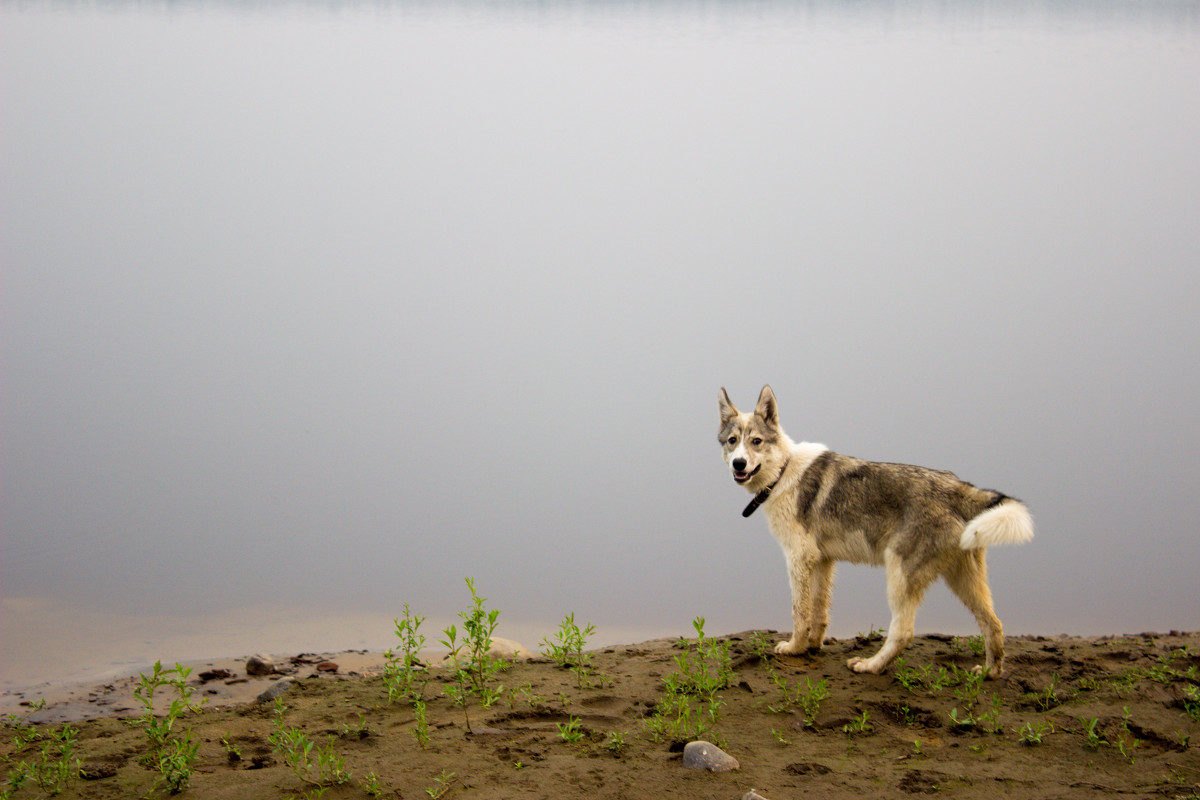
(767, 407)
(728, 411)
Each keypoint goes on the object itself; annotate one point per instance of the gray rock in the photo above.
(260, 664)
(277, 689)
(706, 755)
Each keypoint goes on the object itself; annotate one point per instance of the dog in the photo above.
(917, 523)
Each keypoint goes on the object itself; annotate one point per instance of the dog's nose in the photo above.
(739, 464)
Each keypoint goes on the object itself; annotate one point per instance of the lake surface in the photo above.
(313, 309)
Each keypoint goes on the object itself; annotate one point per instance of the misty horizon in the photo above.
(327, 308)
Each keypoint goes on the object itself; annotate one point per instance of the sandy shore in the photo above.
(1071, 718)
(219, 682)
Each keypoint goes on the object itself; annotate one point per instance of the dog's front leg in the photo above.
(800, 563)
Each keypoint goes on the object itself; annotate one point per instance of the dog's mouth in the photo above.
(742, 477)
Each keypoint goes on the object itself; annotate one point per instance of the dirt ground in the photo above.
(1115, 716)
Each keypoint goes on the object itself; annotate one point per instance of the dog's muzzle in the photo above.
(739, 470)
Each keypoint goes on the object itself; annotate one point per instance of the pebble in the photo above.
(753, 795)
(706, 755)
(327, 666)
(275, 690)
(260, 664)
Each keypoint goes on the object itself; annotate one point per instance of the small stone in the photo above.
(327, 666)
(753, 795)
(260, 664)
(706, 755)
(275, 690)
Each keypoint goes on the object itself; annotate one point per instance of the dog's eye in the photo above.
(756, 441)
(733, 440)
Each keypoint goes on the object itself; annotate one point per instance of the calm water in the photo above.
(312, 309)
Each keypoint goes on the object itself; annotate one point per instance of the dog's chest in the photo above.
(831, 542)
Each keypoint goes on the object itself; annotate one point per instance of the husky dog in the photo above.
(917, 523)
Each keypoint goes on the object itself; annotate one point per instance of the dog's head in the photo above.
(753, 444)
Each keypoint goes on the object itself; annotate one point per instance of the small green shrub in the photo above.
(567, 650)
(691, 703)
(317, 766)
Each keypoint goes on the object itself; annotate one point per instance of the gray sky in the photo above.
(332, 307)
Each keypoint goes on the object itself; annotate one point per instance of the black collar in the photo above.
(762, 496)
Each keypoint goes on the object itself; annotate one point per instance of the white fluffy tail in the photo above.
(1007, 523)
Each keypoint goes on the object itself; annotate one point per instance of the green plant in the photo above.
(567, 650)
(441, 784)
(859, 725)
(1094, 738)
(459, 691)
(615, 741)
(990, 720)
(925, 679)
(873, 634)
(175, 762)
(359, 731)
(403, 674)
(1031, 735)
(473, 666)
(969, 685)
(1126, 742)
(321, 767)
(973, 643)
(478, 626)
(173, 756)
(525, 693)
(1191, 701)
(807, 698)
(231, 750)
(965, 722)
(690, 704)
(54, 768)
(421, 728)
(569, 731)
(158, 729)
(1047, 698)
(23, 733)
(371, 785)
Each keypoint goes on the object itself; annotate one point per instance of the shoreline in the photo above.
(219, 682)
(223, 682)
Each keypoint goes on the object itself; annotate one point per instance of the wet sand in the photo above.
(1112, 714)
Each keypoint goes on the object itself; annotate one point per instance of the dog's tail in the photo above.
(1006, 522)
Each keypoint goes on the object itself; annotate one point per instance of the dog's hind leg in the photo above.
(822, 590)
(967, 578)
(904, 596)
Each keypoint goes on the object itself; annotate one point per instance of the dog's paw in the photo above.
(789, 647)
(862, 665)
(988, 673)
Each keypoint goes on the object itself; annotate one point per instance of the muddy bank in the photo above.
(1072, 717)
